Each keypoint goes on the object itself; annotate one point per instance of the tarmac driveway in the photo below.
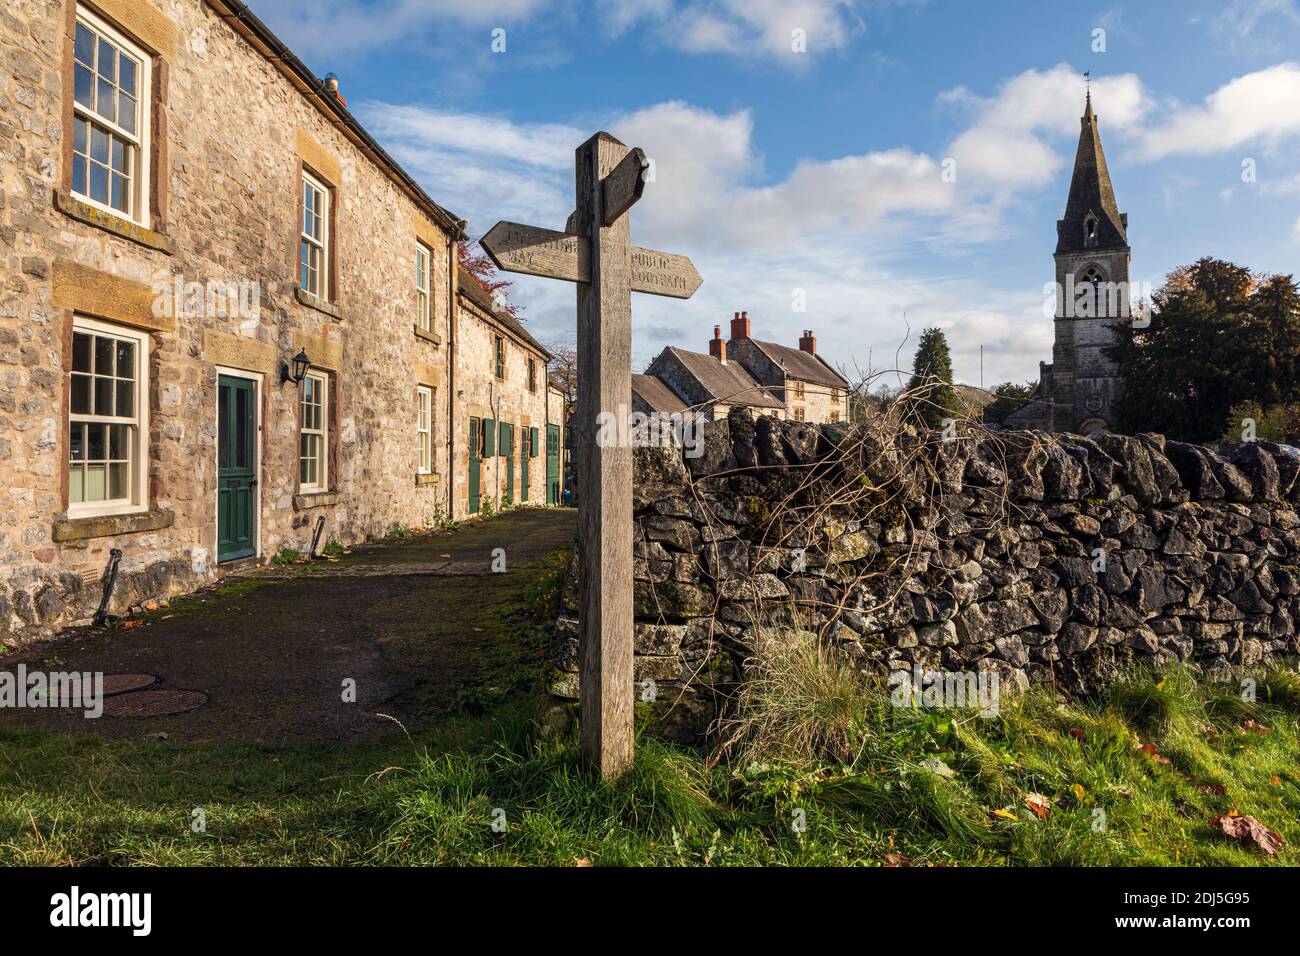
(414, 628)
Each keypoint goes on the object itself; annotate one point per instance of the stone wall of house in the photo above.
(508, 399)
(232, 136)
(818, 403)
(1047, 558)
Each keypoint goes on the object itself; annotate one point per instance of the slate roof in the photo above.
(656, 393)
(802, 365)
(1090, 191)
(728, 383)
(468, 286)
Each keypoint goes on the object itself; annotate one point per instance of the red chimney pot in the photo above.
(740, 326)
(718, 345)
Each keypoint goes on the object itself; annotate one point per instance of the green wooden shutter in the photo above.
(532, 442)
(503, 443)
(489, 438)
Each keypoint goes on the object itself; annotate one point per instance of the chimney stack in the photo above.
(332, 86)
(718, 345)
(740, 326)
(808, 342)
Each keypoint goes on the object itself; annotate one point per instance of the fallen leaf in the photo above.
(1078, 791)
(1151, 751)
(1039, 804)
(1077, 733)
(895, 859)
(582, 862)
(1248, 828)
(1275, 780)
(1215, 789)
(1005, 814)
(1257, 728)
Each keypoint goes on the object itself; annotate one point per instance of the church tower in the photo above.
(1092, 263)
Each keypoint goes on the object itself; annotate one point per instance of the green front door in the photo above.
(552, 464)
(236, 467)
(475, 446)
(524, 451)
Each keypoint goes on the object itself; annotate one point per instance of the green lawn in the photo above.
(83, 800)
(828, 773)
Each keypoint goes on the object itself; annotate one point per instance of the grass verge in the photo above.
(819, 769)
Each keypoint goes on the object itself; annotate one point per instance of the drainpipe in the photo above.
(452, 346)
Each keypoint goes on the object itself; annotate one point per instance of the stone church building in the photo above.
(228, 318)
(1076, 391)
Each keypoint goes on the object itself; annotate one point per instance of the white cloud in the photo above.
(740, 27)
(1007, 143)
(1258, 108)
(705, 165)
(1287, 186)
(834, 228)
(1239, 23)
(332, 28)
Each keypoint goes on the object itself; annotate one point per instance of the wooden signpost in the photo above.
(595, 251)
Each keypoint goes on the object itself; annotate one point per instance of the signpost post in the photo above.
(595, 251)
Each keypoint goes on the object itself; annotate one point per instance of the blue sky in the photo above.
(822, 171)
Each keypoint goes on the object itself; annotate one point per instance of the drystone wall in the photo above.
(1046, 557)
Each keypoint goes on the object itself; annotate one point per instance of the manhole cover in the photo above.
(154, 703)
(115, 684)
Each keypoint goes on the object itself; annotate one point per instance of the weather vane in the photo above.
(1087, 79)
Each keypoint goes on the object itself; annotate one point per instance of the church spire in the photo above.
(1092, 217)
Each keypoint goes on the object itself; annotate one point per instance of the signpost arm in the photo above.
(604, 469)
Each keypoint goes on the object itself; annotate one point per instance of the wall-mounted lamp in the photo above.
(299, 371)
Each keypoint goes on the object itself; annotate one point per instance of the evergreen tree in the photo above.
(930, 397)
(1008, 398)
(1219, 337)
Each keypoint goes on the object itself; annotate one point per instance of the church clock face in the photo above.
(1093, 403)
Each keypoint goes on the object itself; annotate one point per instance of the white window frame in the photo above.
(424, 300)
(322, 242)
(139, 141)
(320, 381)
(424, 430)
(138, 500)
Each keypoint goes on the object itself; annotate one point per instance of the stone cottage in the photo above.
(504, 426)
(227, 315)
(768, 378)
